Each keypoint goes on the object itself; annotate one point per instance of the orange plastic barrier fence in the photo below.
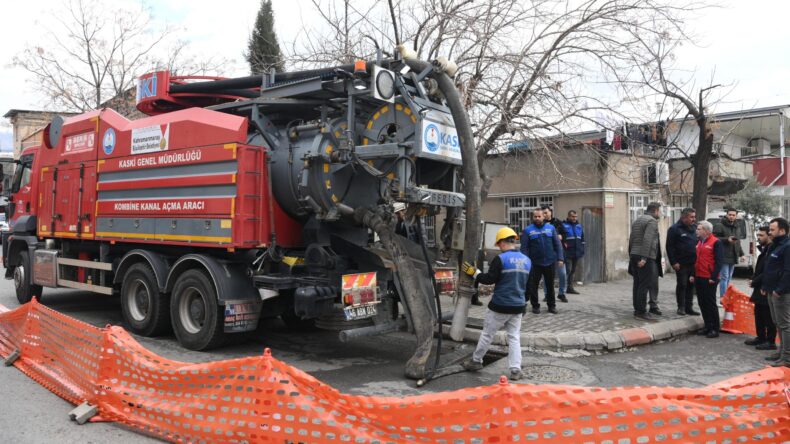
(261, 399)
(738, 313)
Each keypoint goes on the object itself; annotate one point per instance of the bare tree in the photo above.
(655, 62)
(527, 69)
(90, 56)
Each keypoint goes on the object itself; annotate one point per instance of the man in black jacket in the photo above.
(548, 217)
(727, 231)
(681, 252)
(775, 286)
(764, 325)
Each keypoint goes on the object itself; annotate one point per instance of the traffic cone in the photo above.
(738, 312)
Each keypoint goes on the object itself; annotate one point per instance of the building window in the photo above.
(518, 210)
(636, 206)
(748, 151)
(676, 205)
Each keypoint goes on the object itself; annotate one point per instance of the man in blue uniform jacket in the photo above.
(574, 248)
(509, 272)
(542, 245)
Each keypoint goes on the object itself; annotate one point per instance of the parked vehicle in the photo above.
(243, 198)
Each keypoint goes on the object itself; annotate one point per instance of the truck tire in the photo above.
(25, 290)
(198, 319)
(145, 309)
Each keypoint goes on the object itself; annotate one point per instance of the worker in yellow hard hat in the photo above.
(404, 227)
(509, 272)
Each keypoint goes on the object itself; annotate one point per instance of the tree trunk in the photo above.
(701, 165)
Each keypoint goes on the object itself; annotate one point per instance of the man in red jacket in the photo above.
(710, 255)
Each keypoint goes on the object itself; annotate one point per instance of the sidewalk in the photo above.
(600, 318)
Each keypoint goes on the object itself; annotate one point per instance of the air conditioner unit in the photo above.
(759, 146)
(656, 173)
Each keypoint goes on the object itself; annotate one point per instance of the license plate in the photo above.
(354, 313)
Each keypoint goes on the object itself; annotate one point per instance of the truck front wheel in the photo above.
(25, 290)
(197, 317)
(145, 309)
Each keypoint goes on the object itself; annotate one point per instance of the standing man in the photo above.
(776, 285)
(541, 244)
(710, 254)
(727, 231)
(574, 248)
(644, 248)
(548, 216)
(763, 322)
(682, 253)
(509, 273)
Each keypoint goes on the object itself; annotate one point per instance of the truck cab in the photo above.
(20, 240)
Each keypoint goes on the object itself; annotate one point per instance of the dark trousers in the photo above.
(684, 291)
(535, 274)
(766, 330)
(706, 298)
(570, 269)
(645, 278)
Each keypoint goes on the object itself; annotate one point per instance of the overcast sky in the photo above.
(746, 43)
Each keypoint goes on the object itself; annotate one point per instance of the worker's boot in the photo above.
(472, 366)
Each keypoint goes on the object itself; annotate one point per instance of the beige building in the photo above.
(608, 190)
(27, 126)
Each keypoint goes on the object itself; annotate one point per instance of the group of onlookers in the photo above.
(703, 256)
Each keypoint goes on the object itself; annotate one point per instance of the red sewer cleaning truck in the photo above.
(243, 198)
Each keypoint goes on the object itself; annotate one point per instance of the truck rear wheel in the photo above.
(25, 290)
(197, 317)
(145, 309)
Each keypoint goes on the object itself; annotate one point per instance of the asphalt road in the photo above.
(372, 366)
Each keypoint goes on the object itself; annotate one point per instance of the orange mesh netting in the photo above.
(738, 313)
(261, 399)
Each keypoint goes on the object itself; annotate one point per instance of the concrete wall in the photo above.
(681, 175)
(626, 171)
(545, 170)
(616, 230)
(25, 125)
(586, 177)
(687, 138)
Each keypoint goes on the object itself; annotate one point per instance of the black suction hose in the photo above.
(430, 372)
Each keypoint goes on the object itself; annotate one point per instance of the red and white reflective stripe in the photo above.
(359, 288)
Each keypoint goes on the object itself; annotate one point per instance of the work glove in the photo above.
(470, 269)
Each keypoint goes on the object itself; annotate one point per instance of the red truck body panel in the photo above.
(181, 178)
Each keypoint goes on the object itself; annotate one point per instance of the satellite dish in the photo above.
(53, 132)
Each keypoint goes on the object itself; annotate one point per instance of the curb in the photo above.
(608, 340)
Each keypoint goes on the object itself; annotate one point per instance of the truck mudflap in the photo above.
(414, 285)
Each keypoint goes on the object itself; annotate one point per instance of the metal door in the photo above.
(594, 257)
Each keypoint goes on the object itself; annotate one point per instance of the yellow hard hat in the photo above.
(504, 233)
